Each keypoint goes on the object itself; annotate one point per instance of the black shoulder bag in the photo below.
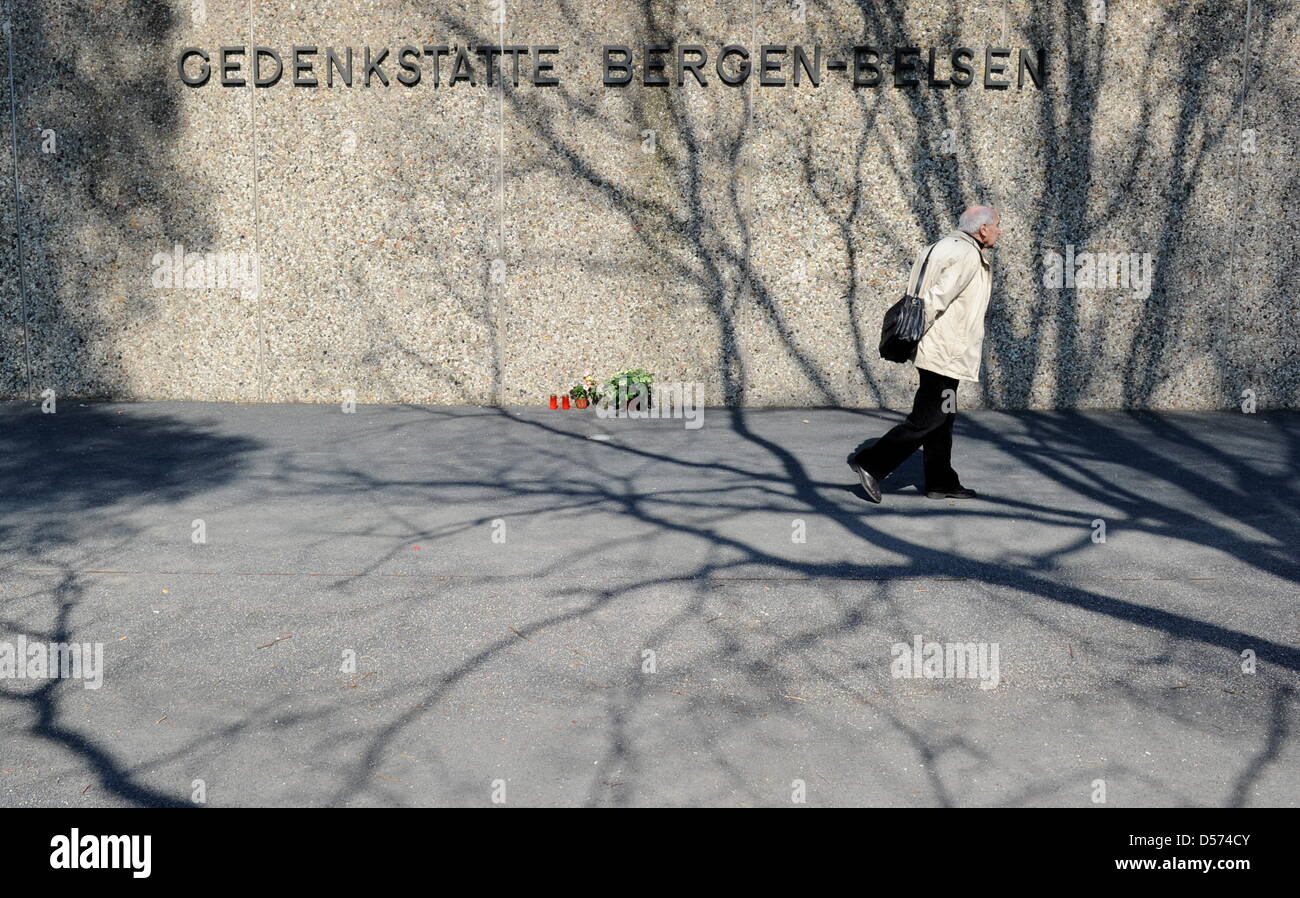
(904, 323)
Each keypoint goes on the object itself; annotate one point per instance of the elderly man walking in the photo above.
(958, 282)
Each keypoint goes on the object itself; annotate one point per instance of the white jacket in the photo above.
(958, 282)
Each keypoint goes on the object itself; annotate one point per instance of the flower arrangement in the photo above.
(630, 387)
(585, 390)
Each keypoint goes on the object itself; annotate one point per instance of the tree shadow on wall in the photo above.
(1096, 181)
(102, 189)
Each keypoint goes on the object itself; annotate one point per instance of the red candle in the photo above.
(565, 403)
(554, 404)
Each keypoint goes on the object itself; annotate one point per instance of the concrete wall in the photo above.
(755, 249)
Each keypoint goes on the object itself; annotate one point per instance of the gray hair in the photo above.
(974, 217)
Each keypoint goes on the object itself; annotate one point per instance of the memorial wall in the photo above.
(475, 202)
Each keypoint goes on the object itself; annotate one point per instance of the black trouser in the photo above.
(929, 427)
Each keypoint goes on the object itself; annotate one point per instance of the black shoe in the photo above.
(959, 492)
(869, 484)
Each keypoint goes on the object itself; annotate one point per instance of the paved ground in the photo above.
(525, 661)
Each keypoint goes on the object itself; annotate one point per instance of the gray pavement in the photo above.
(620, 612)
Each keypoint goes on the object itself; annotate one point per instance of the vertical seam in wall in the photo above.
(257, 233)
(499, 293)
(1236, 174)
(745, 276)
(1004, 124)
(18, 217)
(753, 42)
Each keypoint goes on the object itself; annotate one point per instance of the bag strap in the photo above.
(920, 278)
